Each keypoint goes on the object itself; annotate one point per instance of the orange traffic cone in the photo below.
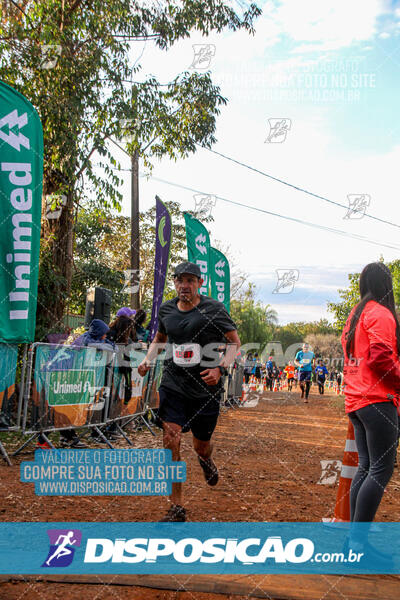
(349, 468)
(274, 388)
(245, 391)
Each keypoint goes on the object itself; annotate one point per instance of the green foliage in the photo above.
(91, 90)
(102, 255)
(296, 332)
(51, 285)
(255, 322)
(351, 295)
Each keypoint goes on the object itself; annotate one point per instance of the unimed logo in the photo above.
(190, 550)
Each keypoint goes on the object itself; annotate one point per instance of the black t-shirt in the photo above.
(205, 325)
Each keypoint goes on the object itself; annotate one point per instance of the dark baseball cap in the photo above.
(187, 268)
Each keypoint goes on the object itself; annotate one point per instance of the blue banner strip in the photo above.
(191, 548)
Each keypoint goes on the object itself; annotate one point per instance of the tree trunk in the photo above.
(55, 268)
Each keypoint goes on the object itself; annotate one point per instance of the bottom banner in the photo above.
(211, 548)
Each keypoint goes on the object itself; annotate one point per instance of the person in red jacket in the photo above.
(371, 346)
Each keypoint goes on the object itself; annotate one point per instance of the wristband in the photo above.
(222, 370)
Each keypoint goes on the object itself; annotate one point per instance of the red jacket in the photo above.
(374, 372)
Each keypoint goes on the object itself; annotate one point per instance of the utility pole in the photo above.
(135, 241)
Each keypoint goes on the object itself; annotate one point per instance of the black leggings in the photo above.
(321, 385)
(376, 430)
(290, 384)
(305, 385)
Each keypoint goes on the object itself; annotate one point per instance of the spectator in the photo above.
(95, 336)
(142, 334)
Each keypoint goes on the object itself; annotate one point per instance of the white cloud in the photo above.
(330, 24)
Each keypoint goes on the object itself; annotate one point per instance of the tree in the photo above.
(351, 295)
(326, 346)
(70, 59)
(102, 255)
(255, 322)
(296, 332)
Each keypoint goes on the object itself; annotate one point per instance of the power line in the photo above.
(293, 219)
(296, 187)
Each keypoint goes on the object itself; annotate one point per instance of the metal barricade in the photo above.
(8, 403)
(152, 397)
(8, 400)
(128, 387)
(66, 387)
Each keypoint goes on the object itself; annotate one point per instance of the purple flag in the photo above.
(163, 245)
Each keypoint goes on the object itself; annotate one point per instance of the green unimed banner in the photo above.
(66, 388)
(21, 176)
(198, 243)
(220, 278)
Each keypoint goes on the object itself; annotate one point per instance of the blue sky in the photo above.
(331, 68)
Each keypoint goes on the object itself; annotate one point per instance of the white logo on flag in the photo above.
(15, 141)
(200, 243)
(219, 268)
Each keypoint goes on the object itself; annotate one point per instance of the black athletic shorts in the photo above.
(200, 417)
(305, 376)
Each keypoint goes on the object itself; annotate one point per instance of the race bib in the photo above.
(186, 354)
(305, 361)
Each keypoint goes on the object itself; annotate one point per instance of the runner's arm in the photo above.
(156, 346)
(232, 348)
(212, 376)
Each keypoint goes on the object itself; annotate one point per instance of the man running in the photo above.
(289, 369)
(269, 365)
(321, 372)
(191, 386)
(304, 360)
(275, 377)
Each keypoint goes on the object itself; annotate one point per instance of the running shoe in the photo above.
(75, 442)
(210, 470)
(43, 446)
(176, 514)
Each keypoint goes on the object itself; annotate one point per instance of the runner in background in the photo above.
(275, 377)
(248, 366)
(296, 378)
(280, 378)
(257, 367)
(321, 373)
(191, 386)
(289, 369)
(304, 360)
(269, 366)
